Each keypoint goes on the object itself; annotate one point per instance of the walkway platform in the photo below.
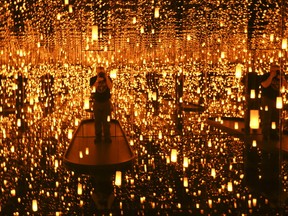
(85, 157)
(236, 127)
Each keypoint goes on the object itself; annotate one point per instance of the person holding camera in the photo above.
(270, 85)
(101, 94)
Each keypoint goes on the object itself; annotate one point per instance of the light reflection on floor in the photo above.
(208, 176)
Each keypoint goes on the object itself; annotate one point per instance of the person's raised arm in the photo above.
(268, 81)
(108, 82)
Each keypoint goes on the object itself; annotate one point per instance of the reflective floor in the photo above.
(183, 164)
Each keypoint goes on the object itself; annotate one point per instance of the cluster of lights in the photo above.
(147, 45)
(198, 169)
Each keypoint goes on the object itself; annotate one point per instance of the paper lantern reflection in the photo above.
(254, 119)
(118, 178)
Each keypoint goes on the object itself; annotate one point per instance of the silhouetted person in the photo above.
(102, 85)
(270, 83)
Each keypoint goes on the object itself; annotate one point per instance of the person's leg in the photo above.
(106, 124)
(275, 118)
(266, 113)
(98, 121)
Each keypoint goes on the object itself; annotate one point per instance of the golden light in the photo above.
(230, 187)
(238, 71)
(173, 155)
(34, 205)
(284, 43)
(254, 119)
(94, 32)
(252, 94)
(279, 103)
(86, 103)
(156, 12)
(118, 178)
(79, 189)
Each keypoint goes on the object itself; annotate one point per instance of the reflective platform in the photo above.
(84, 156)
(236, 127)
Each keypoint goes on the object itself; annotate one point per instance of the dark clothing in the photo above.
(102, 109)
(272, 91)
(269, 113)
(102, 93)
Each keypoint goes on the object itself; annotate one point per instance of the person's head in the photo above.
(275, 68)
(100, 71)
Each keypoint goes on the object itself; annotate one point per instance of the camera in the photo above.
(101, 74)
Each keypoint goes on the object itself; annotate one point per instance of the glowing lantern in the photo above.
(79, 189)
(238, 72)
(185, 182)
(118, 178)
(160, 135)
(254, 143)
(210, 203)
(19, 122)
(279, 103)
(173, 155)
(222, 55)
(113, 73)
(254, 119)
(213, 172)
(66, 2)
(70, 133)
(154, 96)
(58, 16)
(156, 12)
(80, 154)
(86, 103)
(273, 125)
(252, 94)
(230, 187)
(34, 205)
(185, 162)
(284, 43)
(87, 151)
(271, 37)
(70, 9)
(94, 32)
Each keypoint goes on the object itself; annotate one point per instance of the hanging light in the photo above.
(34, 205)
(156, 12)
(94, 32)
(252, 94)
(79, 189)
(230, 187)
(118, 178)
(284, 43)
(238, 72)
(86, 103)
(279, 103)
(70, 9)
(185, 182)
(173, 155)
(254, 119)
